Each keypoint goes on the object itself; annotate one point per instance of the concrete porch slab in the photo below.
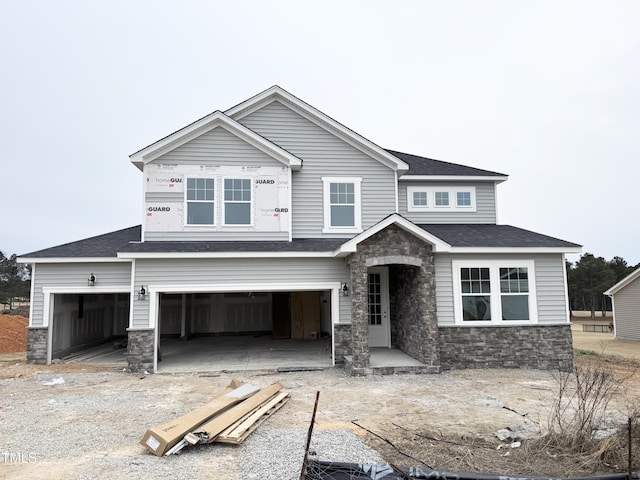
(390, 361)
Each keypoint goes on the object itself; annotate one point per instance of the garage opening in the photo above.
(82, 321)
(245, 330)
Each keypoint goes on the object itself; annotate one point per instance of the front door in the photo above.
(378, 311)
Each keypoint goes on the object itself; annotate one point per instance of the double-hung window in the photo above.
(237, 201)
(200, 201)
(494, 292)
(342, 204)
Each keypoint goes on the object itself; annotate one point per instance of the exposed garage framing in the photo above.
(154, 292)
(48, 317)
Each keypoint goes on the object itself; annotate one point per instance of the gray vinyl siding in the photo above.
(627, 311)
(218, 147)
(50, 275)
(485, 204)
(549, 281)
(323, 154)
(233, 271)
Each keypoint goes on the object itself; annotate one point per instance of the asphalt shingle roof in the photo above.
(490, 235)
(428, 166)
(106, 245)
(297, 245)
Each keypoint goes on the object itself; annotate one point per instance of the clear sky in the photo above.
(547, 92)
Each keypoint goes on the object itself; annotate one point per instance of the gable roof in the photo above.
(490, 237)
(441, 170)
(623, 283)
(101, 247)
(205, 124)
(314, 115)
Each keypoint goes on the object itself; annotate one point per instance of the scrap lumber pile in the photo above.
(227, 418)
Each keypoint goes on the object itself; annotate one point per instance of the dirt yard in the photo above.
(13, 333)
(89, 426)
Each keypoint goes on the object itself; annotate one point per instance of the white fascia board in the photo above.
(322, 120)
(515, 250)
(394, 219)
(243, 287)
(623, 283)
(86, 290)
(71, 260)
(452, 178)
(205, 124)
(170, 255)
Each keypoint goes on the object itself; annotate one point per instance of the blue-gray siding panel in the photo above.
(216, 274)
(75, 275)
(217, 147)
(485, 204)
(627, 311)
(550, 290)
(323, 154)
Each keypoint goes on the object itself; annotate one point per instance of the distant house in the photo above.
(625, 297)
(273, 218)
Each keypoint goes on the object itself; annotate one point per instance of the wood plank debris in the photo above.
(239, 431)
(232, 424)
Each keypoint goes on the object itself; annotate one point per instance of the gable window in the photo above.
(200, 201)
(494, 292)
(452, 199)
(237, 201)
(442, 199)
(342, 204)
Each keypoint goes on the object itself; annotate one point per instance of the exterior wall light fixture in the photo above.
(344, 288)
(142, 293)
(91, 281)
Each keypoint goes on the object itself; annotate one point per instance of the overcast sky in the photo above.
(547, 92)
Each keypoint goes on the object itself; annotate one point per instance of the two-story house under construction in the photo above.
(272, 218)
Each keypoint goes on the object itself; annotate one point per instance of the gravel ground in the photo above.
(89, 426)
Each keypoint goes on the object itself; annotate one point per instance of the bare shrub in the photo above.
(583, 398)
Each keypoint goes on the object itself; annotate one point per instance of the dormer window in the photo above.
(442, 199)
(342, 207)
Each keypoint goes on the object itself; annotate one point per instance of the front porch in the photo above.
(390, 361)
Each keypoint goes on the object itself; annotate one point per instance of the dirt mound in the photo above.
(13, 333)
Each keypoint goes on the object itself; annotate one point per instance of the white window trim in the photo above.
(431, 199)
(496, 302)
(224, 203)
(326, 183)
(214, 201)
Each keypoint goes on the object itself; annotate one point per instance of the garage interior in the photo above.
(202, 331)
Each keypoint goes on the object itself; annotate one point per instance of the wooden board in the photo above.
(211, 429)
(238, 432)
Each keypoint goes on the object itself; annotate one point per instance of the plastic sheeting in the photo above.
(317, 470)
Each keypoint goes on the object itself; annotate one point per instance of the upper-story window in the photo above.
(200, 201)
(342, 206)
(454, 199)
(237, 201)
(491, 292)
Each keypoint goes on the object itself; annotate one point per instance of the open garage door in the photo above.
(82, 322)
(245, 330)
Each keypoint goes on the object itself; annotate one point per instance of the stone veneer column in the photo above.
(359, 320)
(140, 349)
(37, 343)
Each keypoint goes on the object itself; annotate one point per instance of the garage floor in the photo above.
(241, 353)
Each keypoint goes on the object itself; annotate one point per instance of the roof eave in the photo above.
(205, 124)
(455, 178)
(623, 283)
(71, 259)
